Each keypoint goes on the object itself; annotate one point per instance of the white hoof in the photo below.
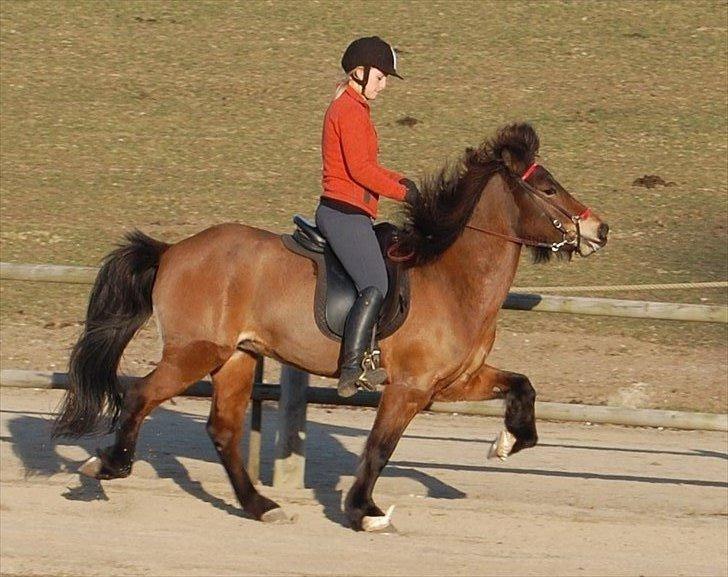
(91, 468)
(502, 446)
(277, 516)
(378, 523)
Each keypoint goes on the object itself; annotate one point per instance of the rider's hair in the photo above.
(341, 86)
(343, 83)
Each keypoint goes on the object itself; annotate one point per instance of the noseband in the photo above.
(538, 195)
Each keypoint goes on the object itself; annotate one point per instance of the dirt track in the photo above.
(588, 501)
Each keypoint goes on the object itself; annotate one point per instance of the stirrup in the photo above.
(370, 362)
(373, 375)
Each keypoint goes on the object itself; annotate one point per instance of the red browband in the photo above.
(529, 171)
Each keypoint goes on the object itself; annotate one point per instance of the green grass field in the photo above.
(171, 117)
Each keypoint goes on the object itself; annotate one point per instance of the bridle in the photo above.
(538, 195)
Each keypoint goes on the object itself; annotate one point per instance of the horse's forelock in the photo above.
(520, 139)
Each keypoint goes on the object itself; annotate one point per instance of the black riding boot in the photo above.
(358, 333)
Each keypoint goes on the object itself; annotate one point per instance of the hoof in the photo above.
(277, 516)
(502, 446)
(91, 468)
(381, 524)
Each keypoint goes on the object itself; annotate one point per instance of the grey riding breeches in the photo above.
(351, 236)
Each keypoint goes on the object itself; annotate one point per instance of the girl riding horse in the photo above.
(232, 293)
(352, 183)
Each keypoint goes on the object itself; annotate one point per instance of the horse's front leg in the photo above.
(520, 419)
(398, 406)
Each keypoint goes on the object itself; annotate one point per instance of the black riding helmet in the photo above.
(370, 51)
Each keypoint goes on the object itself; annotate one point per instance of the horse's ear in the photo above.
(510, 161)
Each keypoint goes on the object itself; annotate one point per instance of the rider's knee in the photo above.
(373, 293)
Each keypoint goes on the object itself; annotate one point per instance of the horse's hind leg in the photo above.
(233, 384)
(178, 369)
(397, 408)
(520, 418)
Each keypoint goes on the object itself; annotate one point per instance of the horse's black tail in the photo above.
(120, 303)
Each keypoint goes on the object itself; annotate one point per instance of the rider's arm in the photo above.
(364, 170)
(392, 174)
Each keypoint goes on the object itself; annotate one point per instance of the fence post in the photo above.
(256, 424)
(290, 463)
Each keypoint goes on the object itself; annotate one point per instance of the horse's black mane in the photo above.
(449, 197)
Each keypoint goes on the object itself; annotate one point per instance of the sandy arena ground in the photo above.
(589, 500)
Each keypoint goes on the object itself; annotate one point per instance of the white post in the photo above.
(290, 463)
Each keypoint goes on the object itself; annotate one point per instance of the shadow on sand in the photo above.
(168, 436)
(171, 435)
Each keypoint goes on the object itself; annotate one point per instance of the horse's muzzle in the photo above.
(594, 235)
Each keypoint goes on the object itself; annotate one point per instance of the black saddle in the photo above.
(335, 291)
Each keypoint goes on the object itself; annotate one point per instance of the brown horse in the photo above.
(231, 292)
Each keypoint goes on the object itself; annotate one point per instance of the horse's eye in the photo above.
(550, 191)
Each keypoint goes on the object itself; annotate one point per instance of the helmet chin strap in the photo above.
(363, 82)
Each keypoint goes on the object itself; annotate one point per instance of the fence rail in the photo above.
(496, 408)
(48, 273)
(627, 287)
(514, 301)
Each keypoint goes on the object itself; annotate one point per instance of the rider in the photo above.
(352, 182)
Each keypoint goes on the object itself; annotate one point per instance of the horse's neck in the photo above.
(479, 268)
(484, 267)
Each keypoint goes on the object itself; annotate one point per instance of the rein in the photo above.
(555, 222)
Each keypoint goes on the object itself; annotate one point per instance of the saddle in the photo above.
(335, 291)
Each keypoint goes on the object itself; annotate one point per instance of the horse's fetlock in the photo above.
(355, 501)
(257, 505)
(528, 439)
(113, 466)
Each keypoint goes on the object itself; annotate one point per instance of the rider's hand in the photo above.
(413, 193)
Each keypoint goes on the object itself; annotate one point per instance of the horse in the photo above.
(231, 293)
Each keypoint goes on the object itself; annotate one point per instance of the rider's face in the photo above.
(377, 81)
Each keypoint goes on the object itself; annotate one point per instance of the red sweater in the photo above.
(349, 147)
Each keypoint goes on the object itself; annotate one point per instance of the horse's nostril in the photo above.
(603, 231)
